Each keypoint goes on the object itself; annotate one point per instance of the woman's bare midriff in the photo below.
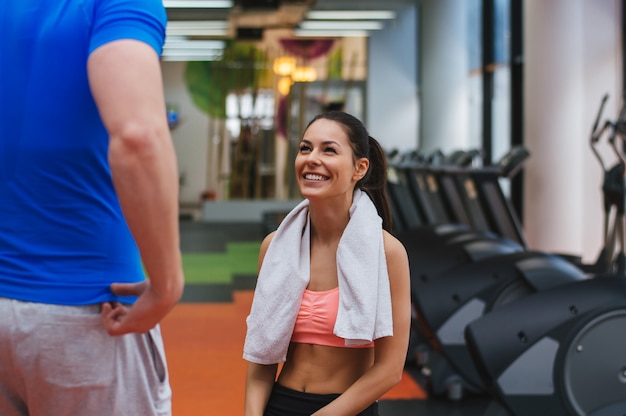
(320, 369)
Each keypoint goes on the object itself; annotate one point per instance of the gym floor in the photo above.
(197, 239)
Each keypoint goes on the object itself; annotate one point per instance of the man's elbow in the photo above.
(135, 140)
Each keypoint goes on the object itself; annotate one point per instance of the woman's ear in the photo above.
(361, 166)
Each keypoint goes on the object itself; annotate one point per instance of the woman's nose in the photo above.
(313, 157)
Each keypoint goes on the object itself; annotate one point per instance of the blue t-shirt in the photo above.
(63, 237)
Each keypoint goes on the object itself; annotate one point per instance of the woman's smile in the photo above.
(315, 177)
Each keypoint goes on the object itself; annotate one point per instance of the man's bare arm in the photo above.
(126, 82)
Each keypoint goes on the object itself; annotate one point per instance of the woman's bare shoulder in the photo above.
(268, 239)
(393, 246)
(397, 267)
(264, 245)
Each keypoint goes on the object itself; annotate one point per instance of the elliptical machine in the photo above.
(561, 351)
(436, 247)
(613, 191)
(447, 301)
(445, 235)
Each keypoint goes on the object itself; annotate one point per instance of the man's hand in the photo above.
(143, 315)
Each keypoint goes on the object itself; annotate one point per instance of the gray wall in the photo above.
(444, 85)
(392, 91)
(572, 58)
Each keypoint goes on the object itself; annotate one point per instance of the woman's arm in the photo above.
(259, 381)
(389, 352)
(259, 378)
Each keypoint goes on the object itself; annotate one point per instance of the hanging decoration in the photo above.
(294, 66)
(307, 49)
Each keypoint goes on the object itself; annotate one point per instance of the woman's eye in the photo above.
(330, 149)
(304, 148)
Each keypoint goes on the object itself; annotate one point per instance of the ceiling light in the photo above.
(191, 55)
(194, 44)
(284, 85)
(340, 25)
(304, 74)
(197, 28)
(181, 49)
(351, 15)
(331, 33)
(284, 65)
(198, 4)
(197, 24)
(197, 32)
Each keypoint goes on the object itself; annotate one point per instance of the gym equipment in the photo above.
(424, 206)
(446, 301)
(435, 233)
(561, 350)
(447, 304)
(614, 195)
(406, 214)
(431, 256)
(462, 235)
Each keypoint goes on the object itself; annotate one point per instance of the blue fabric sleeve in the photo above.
(143, 20)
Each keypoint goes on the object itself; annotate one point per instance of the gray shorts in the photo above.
(59, 361)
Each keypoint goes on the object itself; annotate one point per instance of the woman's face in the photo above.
(325, 163)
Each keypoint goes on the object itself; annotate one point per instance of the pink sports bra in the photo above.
(316, 320)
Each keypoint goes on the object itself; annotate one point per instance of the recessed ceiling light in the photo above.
(340, 25)
(186, 55)
(197, 24)
(351, 15)
(194, 44)
(331, 33)
(197, 28)
(198, 4)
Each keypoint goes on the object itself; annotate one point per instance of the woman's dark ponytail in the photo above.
(374, 183)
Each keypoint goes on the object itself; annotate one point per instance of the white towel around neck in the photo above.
(364, 295)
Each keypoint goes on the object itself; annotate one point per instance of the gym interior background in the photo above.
(424, 75)
(459, 74)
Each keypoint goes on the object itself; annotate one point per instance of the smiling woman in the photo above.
(348, 349)
(326, 158)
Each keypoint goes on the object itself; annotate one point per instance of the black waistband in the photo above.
(288, 402)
